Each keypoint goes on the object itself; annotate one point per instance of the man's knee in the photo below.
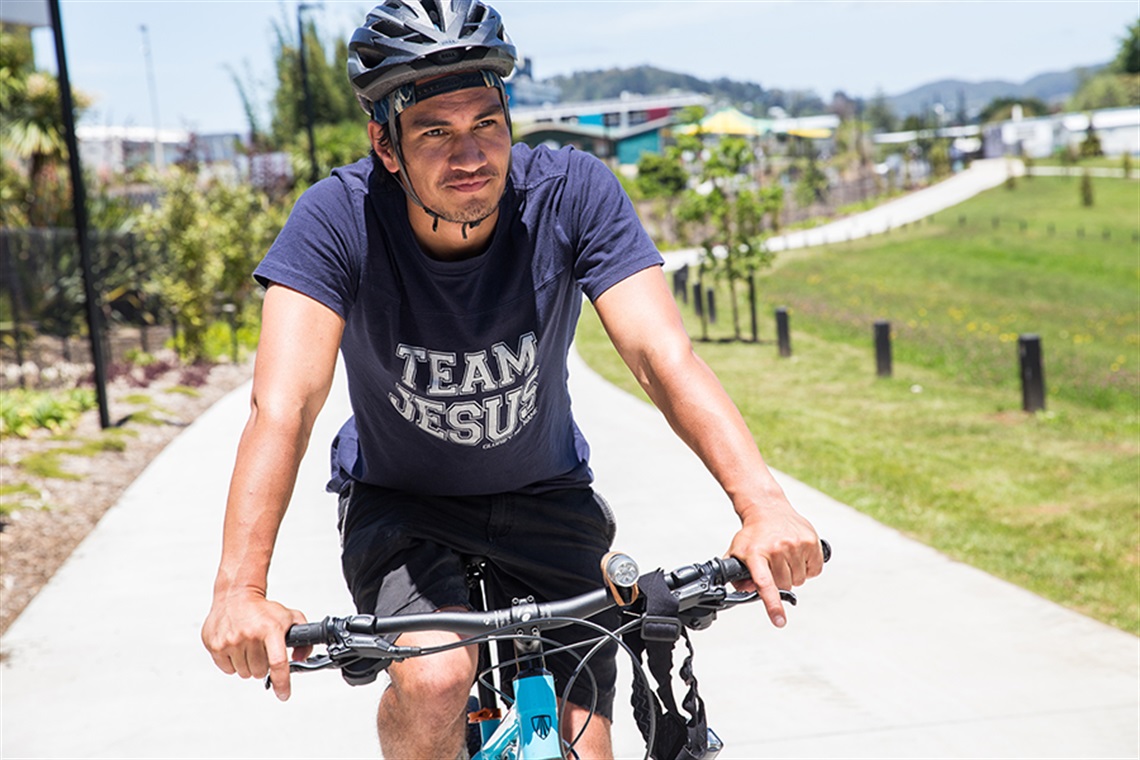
(442, 680)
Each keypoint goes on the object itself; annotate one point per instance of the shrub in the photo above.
(22, 411)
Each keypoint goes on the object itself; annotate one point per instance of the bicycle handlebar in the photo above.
(700, 585)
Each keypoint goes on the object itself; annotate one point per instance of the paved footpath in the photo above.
(895, 652)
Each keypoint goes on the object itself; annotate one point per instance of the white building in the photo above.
(1117, 128)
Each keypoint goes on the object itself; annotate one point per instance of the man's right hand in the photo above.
(245, 634)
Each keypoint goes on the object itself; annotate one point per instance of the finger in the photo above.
(815, 561)
(258, 660)
(223, 663)
(278, 667)
(769, 592)
(781, 571)
(240, 663)
(798, 567)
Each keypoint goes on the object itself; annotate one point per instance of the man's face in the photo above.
(457, 151)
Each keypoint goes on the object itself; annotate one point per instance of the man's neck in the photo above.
(447, 241)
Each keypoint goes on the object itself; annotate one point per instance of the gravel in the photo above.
(56, 514)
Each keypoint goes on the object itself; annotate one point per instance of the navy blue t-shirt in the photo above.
(457, 370)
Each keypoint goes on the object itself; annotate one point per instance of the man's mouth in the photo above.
(468, 184)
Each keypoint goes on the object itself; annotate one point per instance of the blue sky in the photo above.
(823, 45)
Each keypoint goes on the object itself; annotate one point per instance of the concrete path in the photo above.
(895, 652)
(982, 175)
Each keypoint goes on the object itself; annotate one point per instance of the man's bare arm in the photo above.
(293, 372)
(779, 546)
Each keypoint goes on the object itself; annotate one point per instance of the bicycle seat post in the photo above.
(476, 569)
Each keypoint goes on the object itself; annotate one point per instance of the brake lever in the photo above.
(744, 597)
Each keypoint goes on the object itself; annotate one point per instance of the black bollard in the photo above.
(711, 302)
(883, 348)
(752, 306)
(1032, 373)
(698, 301)
(783, 335)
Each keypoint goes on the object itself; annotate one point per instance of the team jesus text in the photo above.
(509, 378)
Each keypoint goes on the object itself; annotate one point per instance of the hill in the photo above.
(649, 80)
(1051, 87)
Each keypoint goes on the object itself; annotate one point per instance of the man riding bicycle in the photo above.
(448, 269)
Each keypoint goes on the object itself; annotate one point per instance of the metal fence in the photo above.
(42, 310)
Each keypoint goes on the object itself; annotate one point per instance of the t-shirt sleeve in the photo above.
(317, 251)
(611, 242)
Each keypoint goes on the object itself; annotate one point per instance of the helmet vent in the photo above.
(433, 12)
(390, 29)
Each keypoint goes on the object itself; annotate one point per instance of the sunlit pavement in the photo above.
(894, 652)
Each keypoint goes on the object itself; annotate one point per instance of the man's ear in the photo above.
(382, 147)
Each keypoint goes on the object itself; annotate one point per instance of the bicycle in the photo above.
(660, 607)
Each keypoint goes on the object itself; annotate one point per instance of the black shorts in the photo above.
(402, 555)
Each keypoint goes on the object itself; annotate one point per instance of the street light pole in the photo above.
(159, 157)
(79, 209)
(301, 8)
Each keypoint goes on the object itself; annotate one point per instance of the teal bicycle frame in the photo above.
(529, 730)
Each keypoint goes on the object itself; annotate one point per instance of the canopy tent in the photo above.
(729, 121)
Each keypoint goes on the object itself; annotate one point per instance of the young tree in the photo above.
(663, 178)
(733, 214)
(333, 102)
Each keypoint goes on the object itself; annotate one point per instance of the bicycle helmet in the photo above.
(405, 40)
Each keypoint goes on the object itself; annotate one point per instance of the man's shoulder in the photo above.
(533, 166)
(359, 176)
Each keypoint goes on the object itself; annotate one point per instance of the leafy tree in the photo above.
(733, 215)
(1001, 109)
(32, 135)
(1118, 85)
(880, 114)
(662, 178)
(1090, 146)
(333, 102)
(212, 237)
(1128, 58)
(1087, 198)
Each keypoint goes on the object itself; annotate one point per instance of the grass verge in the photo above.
(942, 451)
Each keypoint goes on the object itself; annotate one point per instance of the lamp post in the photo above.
(159, 158)
(301, 8)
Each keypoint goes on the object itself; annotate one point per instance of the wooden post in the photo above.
(883, 348)
(783, 334)
(1032, 373)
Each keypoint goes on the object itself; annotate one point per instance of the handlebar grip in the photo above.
(307, 634)
(734, 569)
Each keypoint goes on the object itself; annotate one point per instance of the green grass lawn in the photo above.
(942, 451)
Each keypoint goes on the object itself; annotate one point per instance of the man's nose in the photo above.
(467, 154)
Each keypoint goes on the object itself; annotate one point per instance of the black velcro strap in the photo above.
(677, 736)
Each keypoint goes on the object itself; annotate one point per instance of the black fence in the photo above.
(43, 319)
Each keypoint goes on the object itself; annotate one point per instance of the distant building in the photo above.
(1117, 128)
(114, 150)
(618, 129)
